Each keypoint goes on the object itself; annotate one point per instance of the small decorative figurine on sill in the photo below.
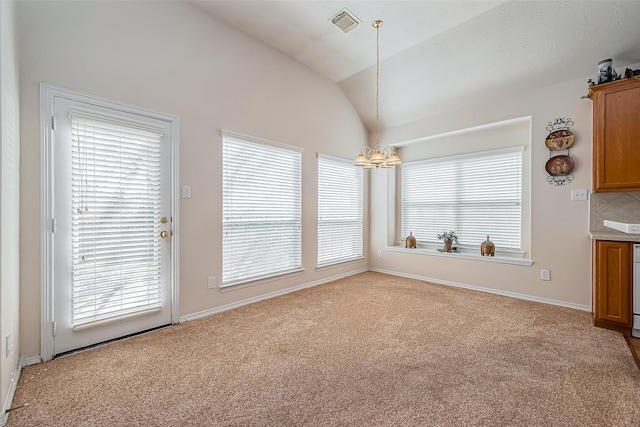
(410, 242)
(448, 237)
(487, 248)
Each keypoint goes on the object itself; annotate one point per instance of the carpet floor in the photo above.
(368, 350)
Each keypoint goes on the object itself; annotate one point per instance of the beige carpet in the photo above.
(370, 350)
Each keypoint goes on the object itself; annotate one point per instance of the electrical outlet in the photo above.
(211, 282)
(578, 194)
(186, 191)
(545, 274)
(379, 253)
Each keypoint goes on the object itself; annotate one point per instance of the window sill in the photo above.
(464, 255)
(337, 263)
(241, 285)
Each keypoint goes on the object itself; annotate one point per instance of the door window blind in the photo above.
(474, 195)
(261, 208)
(340, 211)
(115, 181)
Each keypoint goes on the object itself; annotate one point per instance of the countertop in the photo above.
(614, 235)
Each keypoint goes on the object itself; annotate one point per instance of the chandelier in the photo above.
(378, 157)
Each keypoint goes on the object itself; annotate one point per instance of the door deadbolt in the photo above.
(164, 220)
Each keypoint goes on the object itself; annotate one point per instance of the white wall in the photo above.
(170, 57)
(9, 200)
(559, 240)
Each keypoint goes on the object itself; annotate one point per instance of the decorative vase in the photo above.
(487, 248)
(448, 244)
(410, 242)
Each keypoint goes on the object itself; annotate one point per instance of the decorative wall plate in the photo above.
(559, 140)
(560, 165)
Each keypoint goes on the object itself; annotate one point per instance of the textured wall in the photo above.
(171, 57)
(559, 239)
(9, 198)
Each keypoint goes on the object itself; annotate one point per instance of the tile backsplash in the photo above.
(621, 207)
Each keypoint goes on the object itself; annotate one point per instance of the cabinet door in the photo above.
(613, 274)
(616, 135)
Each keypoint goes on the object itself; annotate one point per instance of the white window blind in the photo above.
(340, 211)
(474, 195)
(261, 208)
(115, 181)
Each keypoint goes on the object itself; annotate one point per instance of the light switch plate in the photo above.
(186, 191)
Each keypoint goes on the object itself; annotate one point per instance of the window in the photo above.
(475, 195)
(340, 211)
(261, 199)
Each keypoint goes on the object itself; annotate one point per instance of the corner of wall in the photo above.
(9, 205)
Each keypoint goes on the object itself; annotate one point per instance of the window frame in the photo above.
(276, 148)
(434, 244)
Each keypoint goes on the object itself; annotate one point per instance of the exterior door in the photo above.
(111, 225)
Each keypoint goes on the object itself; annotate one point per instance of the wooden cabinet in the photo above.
(613, 275)
(616, 135)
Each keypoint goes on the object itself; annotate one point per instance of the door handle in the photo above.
(164, 234)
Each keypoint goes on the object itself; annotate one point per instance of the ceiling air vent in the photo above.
(345, 20)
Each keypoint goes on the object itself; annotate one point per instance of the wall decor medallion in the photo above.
(559, 140)
(560, 163)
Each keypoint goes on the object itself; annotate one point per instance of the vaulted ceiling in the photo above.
(440, 56)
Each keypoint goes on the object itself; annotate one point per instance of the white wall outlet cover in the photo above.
(545, 274)
(579, 195)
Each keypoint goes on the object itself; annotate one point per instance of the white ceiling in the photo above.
(439, 56)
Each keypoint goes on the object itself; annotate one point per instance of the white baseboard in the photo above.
(488, 290)
(33, 360)
(226, 307)
(14, 384)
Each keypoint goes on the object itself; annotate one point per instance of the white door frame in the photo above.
(47, 95)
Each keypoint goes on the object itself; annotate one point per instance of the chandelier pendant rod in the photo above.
(377, 24)
(377, 157)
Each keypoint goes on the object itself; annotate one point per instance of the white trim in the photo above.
(487, 290)
(25, 361)
(334, 158)
(523, 119)
(515, 260)
(175, 220)
(46, 213)
(8, 401)
(338, 263)
(82, 113)
(47, 95)
(32, 360)
(260, 280)
(469, 155)
(227, 307)
(258, 140)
